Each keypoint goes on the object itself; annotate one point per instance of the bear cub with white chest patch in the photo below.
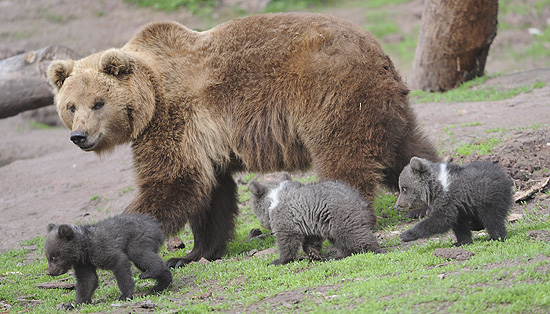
(462, 198)
(304, 215)
(111, 244)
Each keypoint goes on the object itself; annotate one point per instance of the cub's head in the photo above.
(60, 248)
(264, 198)
(416, 183)
(106, 99)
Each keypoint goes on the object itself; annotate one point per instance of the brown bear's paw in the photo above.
(280, 262)
(125, 298)
(417, 213)
(408, 236)
(178, 262)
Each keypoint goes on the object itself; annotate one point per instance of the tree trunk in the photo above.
(453, 43)
(23, 81)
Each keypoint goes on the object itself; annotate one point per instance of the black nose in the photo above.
(78, 137)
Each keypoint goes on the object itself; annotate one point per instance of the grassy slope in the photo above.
(510, 276)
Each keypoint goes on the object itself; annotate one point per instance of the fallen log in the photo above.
(23, 82)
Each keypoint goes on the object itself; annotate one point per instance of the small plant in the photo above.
(125, 190)
(94, 197)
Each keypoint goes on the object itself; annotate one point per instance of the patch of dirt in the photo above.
(458, 254)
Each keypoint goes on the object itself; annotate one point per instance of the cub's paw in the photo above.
(417, 213)
(177, 262)
(65, 306)
(125, 298)
(280, 262)
(408, 236)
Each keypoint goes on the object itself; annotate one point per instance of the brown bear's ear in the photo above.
(417, 164)
(66, 232)
(50, 227)
(115, 62)
(256, 188)
(59, 71)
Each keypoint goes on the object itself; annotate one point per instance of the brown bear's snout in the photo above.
(78, 137)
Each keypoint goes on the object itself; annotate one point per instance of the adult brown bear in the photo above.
(263, 93)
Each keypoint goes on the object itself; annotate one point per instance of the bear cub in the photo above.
(304, 215)
(462, 198)
(110, 244)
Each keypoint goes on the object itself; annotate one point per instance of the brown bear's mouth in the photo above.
(89, 146)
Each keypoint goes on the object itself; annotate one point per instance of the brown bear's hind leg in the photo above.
(213, 228)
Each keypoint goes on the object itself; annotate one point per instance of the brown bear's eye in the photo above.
(98, 105)
(72, 109)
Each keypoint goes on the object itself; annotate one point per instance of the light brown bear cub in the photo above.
(111, 244)
(305, 215)
(270, 92)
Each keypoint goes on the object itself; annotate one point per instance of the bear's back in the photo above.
(479, 183)
(322, 199)
(112, 236)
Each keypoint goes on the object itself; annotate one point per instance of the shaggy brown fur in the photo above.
(263, 93)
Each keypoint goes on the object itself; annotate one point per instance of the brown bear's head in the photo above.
(61, 249)
(106, 99)
(416, 183)
(264, 198)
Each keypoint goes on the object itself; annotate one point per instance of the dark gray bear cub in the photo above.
(110, 244)
(462, 198)
(304, 215)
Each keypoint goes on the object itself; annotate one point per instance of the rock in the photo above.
(174, 243)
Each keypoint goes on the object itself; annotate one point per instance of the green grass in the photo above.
(200, 7)
(471, 92)
(538, 44)
(483, 146)
(40, 126)
(380, 24)
(298, 5)
(502, 277)
(388, 215)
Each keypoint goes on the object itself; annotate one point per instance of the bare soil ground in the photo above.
(45, 178)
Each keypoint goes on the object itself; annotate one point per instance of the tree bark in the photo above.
(23, 81)
(453, 43)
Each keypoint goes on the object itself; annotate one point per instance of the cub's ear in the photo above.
(418, 164)
(59, 71)
(256, 188)
(66, 232)
(50, 227)
(285, 177)
(115, 62)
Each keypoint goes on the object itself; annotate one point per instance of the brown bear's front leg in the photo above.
(312, 247)
(213, 228)
(86, 282)
(289, 244)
